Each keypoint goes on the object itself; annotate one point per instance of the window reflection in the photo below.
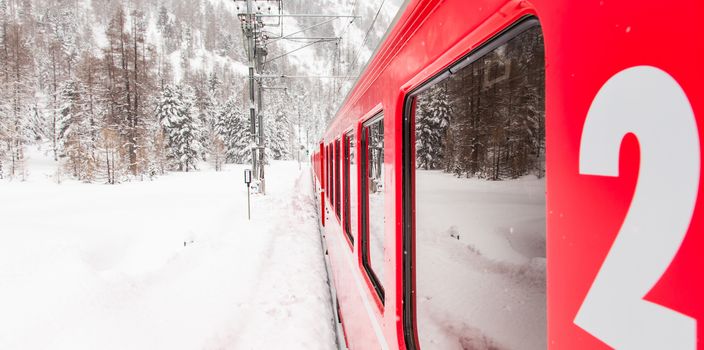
(350, 212)
(374, 169)
(480, 203)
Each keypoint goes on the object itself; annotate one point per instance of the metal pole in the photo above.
(250, 24)
(249, 210)
(262, 181)
(252, 119)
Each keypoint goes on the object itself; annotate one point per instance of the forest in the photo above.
(488, 119)
(119, 91)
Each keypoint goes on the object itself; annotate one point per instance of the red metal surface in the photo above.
(586, 43)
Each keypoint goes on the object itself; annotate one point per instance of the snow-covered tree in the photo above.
(180, 127)
(279, 133)
(17, 68)
(75, 132)
(189, 131)
(432, 118)
(234, 130)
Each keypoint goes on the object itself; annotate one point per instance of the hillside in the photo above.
(125, 89)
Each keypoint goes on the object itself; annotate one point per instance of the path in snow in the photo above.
(105, 267)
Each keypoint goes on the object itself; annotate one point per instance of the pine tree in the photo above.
(188, 132)
(95, 106)
(180, 127)
(163, 20)
(214, 85)
(75, 132)
(279, 133)
(168, 114)
(234, 130)
(433, 117)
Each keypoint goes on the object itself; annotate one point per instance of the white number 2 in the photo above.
(649, 103)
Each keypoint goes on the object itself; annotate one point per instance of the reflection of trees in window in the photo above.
(376, 157)
(337, 177)
(432, 120)
(487, 120)
(373, 214)
(478, 248)
(350, 181)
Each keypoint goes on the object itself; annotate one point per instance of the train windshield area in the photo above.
(480, 202)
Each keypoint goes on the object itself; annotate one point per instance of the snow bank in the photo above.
(480, 262)
(165, 264)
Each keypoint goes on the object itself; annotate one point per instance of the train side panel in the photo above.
(595, 51)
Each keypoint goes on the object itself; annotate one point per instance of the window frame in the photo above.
(348, 137)
(331, 173)
(323, 185)
(364, 207)
(336, 161)
(409, 319)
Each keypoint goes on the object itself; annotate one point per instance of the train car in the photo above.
(521, 175)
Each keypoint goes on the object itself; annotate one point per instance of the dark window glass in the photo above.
(480, 202)
(350, 187)
(374, 185)
(337, 178)
(331, 193)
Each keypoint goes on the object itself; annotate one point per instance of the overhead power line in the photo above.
(364, 41)
(300, 48)
(361, 46)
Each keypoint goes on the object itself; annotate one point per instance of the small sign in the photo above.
(247, 181)
(247, 176)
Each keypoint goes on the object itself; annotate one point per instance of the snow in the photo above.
(206, 60)
(376, 230)
(99, 37)
(480, 262)
(175, 59)
(230, 6)
(171, 263)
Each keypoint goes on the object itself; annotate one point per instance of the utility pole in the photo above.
(248, 24)
(256, 53)
(256, 41)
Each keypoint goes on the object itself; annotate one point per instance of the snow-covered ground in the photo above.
(480, 262)
(171, 263)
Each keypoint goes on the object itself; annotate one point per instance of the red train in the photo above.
(521, 175)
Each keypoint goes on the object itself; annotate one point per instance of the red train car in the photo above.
(522, 175)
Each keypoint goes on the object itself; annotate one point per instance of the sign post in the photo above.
(247, 181)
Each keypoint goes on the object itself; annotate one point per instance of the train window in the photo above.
(337, 178)
(350, 187)
(331, 193)
(479, 174)
(327, 168)
(373, 211)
